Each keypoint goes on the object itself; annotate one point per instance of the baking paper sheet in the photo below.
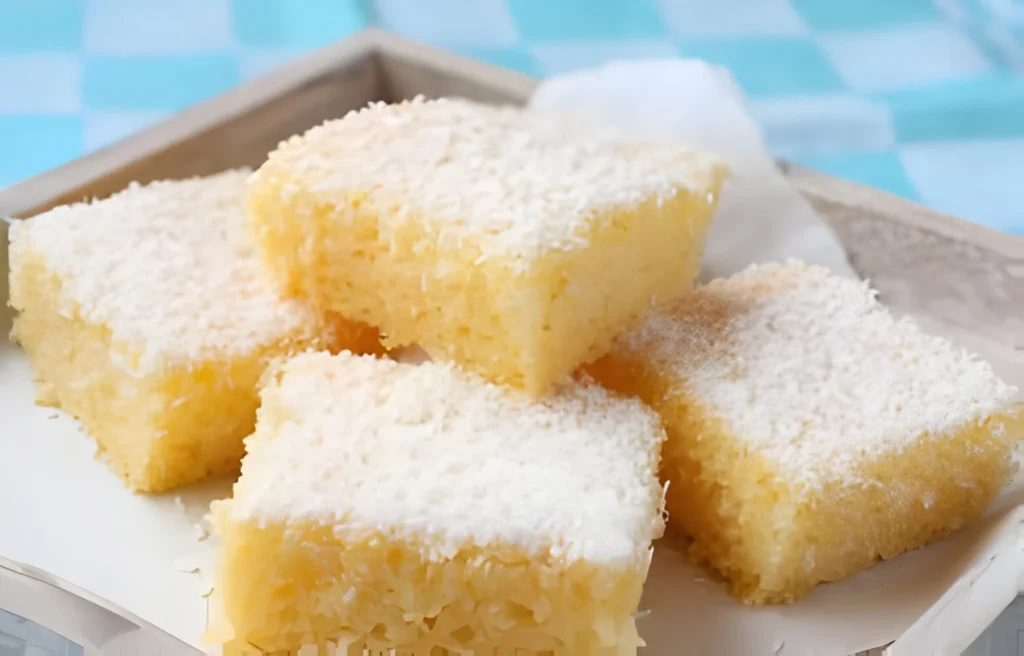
(761, 217)
(63, 511)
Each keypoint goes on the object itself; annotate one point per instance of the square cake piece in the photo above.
(420, 507)
(515, 244)
(150, 318)
(810, 433)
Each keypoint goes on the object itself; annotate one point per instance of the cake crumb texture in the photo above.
(514, 243)
(415, 506)
(812, 433)
(149, 316)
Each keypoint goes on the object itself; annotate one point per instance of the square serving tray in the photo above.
(955, 278)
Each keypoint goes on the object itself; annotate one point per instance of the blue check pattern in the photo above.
(923, 98)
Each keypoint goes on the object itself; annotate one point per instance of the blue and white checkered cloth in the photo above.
(923, 98)
(76, 75)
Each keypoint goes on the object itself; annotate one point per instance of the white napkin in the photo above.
(761, 216)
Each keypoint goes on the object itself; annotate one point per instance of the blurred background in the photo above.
(922, 98)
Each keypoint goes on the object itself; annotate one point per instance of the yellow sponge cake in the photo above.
(148, 316)
(416, 508)
(515, 244)
(810, 433)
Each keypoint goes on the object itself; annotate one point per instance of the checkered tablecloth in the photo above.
(76, 75)
(924, 98)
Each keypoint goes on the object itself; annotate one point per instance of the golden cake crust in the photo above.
(150, 317)
(517, 184)
(515, 244)
(810, 371)
(810, 433)
(395, 505)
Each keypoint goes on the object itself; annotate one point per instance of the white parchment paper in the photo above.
(761, 217)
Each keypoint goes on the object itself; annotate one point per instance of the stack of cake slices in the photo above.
(505, 493)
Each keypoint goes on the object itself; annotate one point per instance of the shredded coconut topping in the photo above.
(442, 458)
(519, 183)
(168, 267)
(812, 371)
